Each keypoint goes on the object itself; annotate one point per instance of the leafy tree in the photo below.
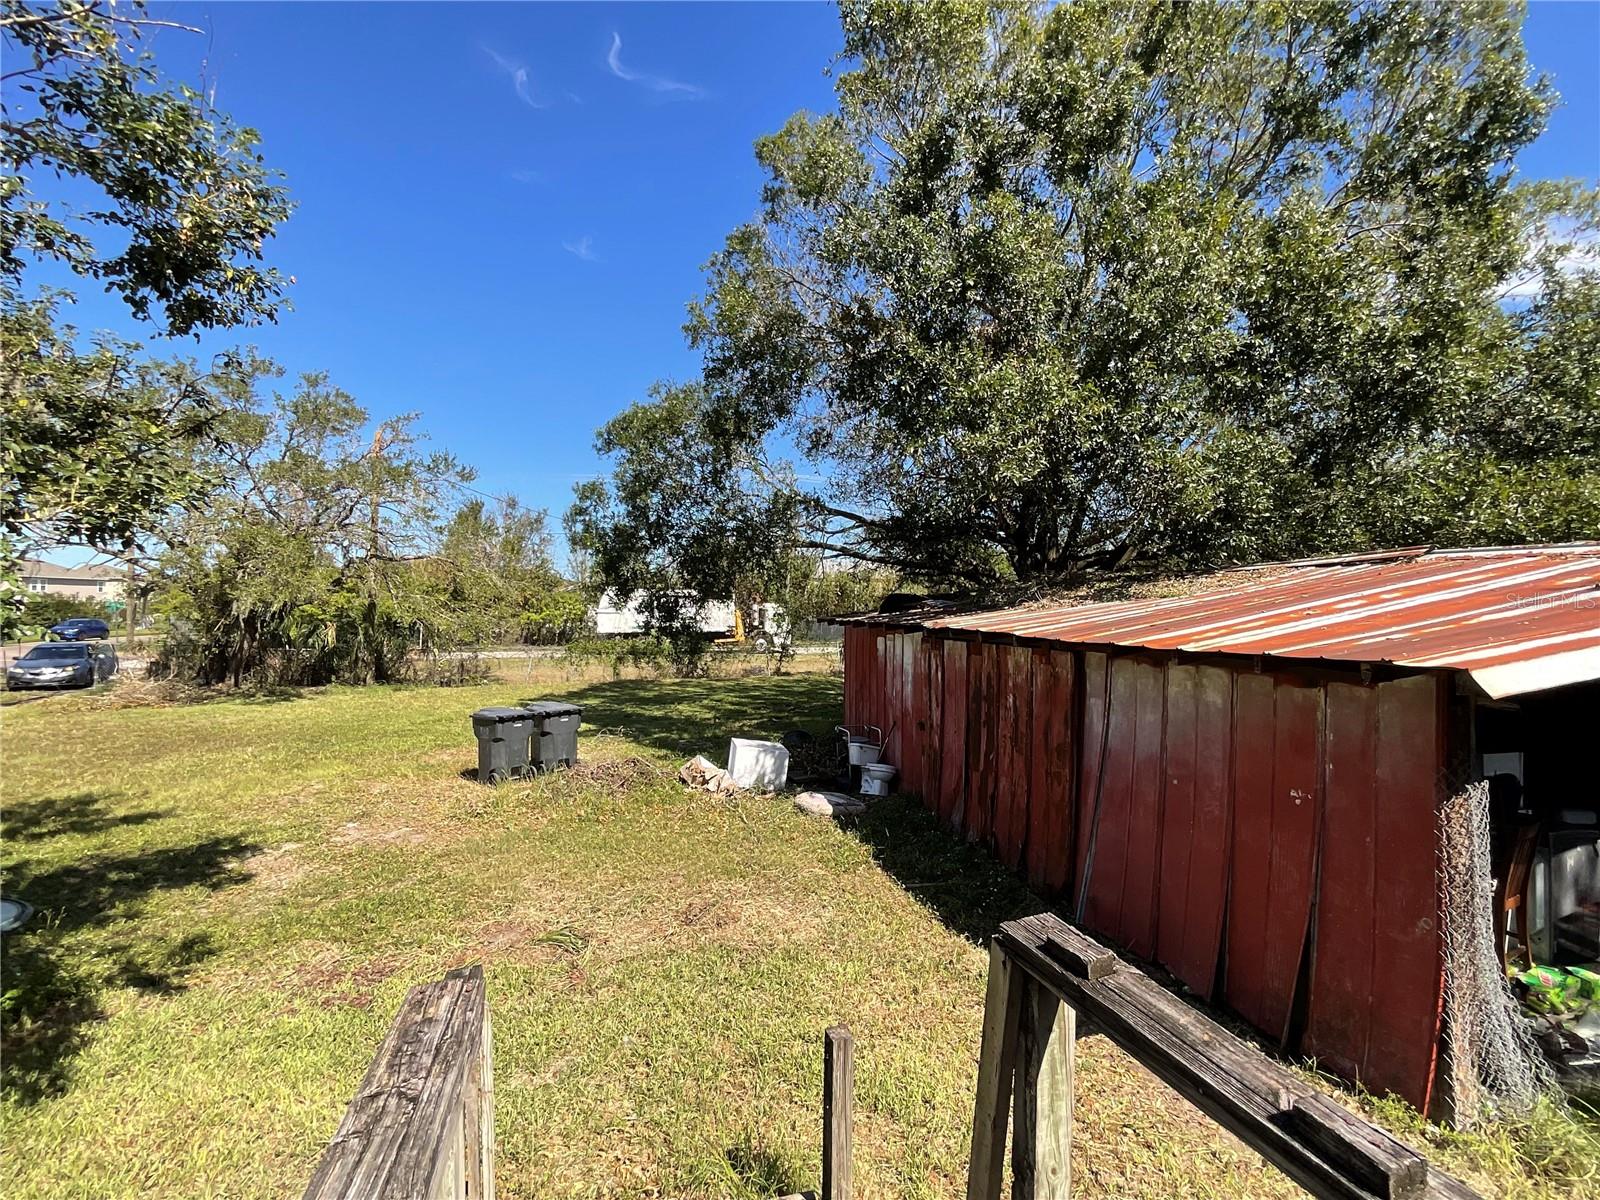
(314, 562)
(1060, 289)
(504, 574)
(186, 203)
(678, 525)
(96, 443)
(46, 609)
(172, 207)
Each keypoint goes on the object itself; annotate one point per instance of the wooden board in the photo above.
(852, 673)
(1194, 824)
(931, 670)
(982, 730)
(1143, 871)
(1325, 1148)
(1106, 858)
(1245, 986)
(1340, 1007)
(1050, 787)
(893, 697)
(1178, 815)
(404, 1133)
(1296, 826)
(1014, 698)
(953, 721)
(913, 717)
(1093, 734)
(1211, 845)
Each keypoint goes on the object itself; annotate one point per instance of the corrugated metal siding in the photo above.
(1516, 620)
(1377, 921)
(1223, 822)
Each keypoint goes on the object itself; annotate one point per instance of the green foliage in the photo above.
(97, 445)
(95, 442)
(504, 575)
(186, 203)
(43, 610)
(312, 564)
(650, 652)
(553, 616)
(814, 591)
(1064, 288)
(682, 520)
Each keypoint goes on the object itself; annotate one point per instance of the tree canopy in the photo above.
(1064, 289)
(183, 202)
(309, 563)
(138, 184)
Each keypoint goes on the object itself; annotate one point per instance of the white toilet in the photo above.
(875, 778)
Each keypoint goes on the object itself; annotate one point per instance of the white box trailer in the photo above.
(612, 618)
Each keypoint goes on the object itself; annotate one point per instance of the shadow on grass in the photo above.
(84, 938)
(267, 695)
(698, 716)
(55, 816)
(763, 1171)
(964, 885)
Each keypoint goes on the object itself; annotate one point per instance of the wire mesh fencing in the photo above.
(1494, 1063)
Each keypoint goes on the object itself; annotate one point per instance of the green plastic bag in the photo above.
(1550, 989)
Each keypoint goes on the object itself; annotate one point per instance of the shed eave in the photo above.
(1539, 674)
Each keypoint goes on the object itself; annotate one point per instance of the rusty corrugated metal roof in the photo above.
(1517, 619)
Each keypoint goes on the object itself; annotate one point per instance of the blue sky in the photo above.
(504, 208)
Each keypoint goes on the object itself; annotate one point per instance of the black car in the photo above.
(63, 664)
(81, 629)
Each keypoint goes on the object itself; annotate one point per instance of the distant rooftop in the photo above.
(38, 568)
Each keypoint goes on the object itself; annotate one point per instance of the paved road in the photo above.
(558, 651)
(134, 663)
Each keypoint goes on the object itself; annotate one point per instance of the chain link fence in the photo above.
(1495, 1067)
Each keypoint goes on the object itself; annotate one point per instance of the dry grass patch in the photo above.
(235, 895)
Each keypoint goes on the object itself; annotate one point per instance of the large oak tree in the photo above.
(1064, 289)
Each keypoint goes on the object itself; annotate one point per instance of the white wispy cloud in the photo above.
(1583, 255)
(527, 175)
(656, 83)
(582, 248)
(521, 81)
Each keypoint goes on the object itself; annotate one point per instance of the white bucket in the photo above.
(763, 766)
(875, 778)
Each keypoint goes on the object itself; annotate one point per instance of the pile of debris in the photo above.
(1562, 1006)
(764, 767)
(703, 774)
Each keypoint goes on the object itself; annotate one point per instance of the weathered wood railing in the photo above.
(421, 1127)
(1048, 983)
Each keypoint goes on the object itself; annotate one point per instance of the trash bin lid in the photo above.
(14, 914)
(496, 716)
(553, 708)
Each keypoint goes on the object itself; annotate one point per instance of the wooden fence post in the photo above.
(838, 1098)
(421, 1125)
(1002, 1010)
(1041, 1132)
(486, 1112)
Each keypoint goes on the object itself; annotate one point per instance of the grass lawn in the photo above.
(234, 895)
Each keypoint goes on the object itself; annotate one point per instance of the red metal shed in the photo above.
(1240, 784)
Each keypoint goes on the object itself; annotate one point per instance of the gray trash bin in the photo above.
(555, 733)
(503, 735)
